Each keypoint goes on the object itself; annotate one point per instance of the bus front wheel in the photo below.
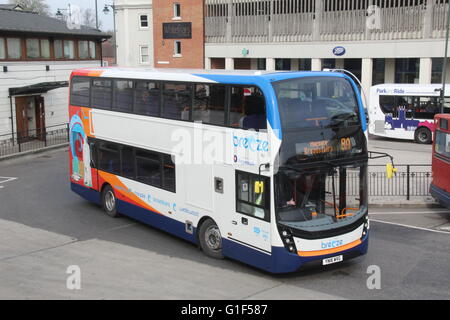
(109, 201)
(210, 239)
(423, 136)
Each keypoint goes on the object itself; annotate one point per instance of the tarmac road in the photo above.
(45, 228)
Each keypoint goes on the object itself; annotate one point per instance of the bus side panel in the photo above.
(247, 255)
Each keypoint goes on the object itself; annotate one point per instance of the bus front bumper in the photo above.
(285, 262)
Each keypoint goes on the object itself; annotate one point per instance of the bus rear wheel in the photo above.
(109, 201)
(210, 239)
(423, 136)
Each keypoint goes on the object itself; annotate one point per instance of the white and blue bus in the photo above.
(268, 168)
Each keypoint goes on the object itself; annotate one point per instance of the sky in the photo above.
(107, 21)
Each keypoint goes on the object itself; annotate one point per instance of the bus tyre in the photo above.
(109, 201)
(423, 136)
(210, 239)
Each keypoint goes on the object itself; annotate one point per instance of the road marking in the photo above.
(412, 227)
(6, 179)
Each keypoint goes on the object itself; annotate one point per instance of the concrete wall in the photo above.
(130, 35)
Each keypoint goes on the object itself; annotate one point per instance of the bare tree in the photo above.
(38, 6)
(88, 18)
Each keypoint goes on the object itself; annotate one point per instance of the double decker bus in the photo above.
(269, 168)
(440, 187)
(405, 111)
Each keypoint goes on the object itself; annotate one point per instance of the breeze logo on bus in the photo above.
(251, 143)
(332, 244)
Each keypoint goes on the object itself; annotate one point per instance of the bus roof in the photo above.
(198, 75)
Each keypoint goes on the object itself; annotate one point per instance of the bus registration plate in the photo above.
(332, 260)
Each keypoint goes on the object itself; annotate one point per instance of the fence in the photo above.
(409, 181)
(34, 139)
(260, 21)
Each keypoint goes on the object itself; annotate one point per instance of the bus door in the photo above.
(250, 217)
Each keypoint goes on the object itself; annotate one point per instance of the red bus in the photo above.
(440, 187)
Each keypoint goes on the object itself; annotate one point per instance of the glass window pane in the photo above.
(442, 143)
(144, 21)
(92, 50)
(177, 101)
(101, 94)
(248, 108)
(83, 49)
(80, 92)
(128, 162)
(58, 49)
(209, 104)
(148, 168)
(123, 95)
(69, 52)
(45, 49)
(169, 173)
(144, 54)
(32, 48)
(147, 98)
(2, 49)
(109, 158)
(14, 48)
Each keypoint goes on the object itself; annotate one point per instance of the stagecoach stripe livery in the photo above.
(250, 165)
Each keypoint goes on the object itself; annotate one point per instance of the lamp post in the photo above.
(96, 15)
(106, 11)
(444, 66)
(60, 15)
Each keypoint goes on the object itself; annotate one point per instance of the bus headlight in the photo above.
(288, 240)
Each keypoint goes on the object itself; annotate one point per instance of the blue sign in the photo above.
(339, 51)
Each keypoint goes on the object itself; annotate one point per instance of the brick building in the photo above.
(178, 33)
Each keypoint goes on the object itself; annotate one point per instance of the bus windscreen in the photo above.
(320, 119)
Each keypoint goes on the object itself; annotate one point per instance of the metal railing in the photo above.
(262, 21)
(409, 181)
(34, 139)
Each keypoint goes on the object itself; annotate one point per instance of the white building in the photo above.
(37, 55)
(381, 41)
(134, 33)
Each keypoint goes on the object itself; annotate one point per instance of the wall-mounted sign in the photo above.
(177, 30)
(245, 52)
(339, 51)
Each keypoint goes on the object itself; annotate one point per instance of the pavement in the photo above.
(45, 229)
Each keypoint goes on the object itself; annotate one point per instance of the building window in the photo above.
(304, 64)
(144, 56)
(32, 48)
(2, 49)
(45, 48)
(407, 70)
(378, 71)
(143, 21)
(177, 49)
(283, 64)
(177, 11)
(58, 49)
(436, 70)
(260, 64)
(14, 48)
(92, 50)
(83, 49)
(69, 49)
